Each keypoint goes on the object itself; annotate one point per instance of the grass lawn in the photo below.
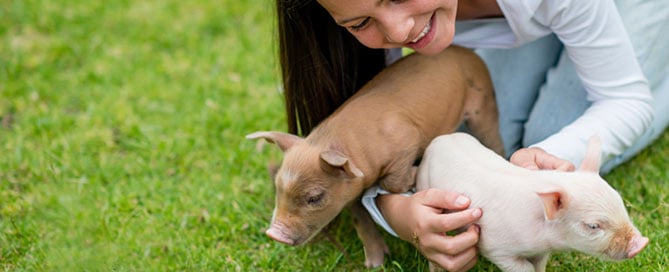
(122, 146)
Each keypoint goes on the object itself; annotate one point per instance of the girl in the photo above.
(562, 70)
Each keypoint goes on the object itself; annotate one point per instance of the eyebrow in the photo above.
(345, 21)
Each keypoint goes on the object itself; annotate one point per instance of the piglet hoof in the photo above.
(374, 254)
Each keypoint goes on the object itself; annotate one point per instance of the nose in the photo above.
(396, 28)
(636, 245)
(278, 234)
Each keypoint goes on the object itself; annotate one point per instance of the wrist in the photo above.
(392, 207)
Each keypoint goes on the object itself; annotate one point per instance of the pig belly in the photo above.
(510, 230)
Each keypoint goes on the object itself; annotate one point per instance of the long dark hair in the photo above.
(321, 63)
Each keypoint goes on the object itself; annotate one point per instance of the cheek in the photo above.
(445, 32)
(370, 37)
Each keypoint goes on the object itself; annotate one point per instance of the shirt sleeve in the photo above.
(596, 41)
(369, 202)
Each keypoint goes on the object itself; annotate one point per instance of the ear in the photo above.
(593, 155)
(554, 202)
(283, 140)
(339, 161)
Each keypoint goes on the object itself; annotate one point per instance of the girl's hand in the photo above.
(424, 218)
(535, 158)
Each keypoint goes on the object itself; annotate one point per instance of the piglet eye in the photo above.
(592, 226)
(315, 199)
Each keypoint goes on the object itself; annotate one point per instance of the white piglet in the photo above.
(527, 214)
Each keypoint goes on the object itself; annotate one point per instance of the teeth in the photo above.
(422, 34)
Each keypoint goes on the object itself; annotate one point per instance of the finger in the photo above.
(548, 161)
(471, 264)
(566, 167)
(535, 158)
(455, 220)
(530, 166)
(524, 158)
(563, 165)
(451, 245)
(460, 262)
(445, 200)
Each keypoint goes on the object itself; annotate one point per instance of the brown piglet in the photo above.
(377, 135)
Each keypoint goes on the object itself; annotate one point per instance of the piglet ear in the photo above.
(283, 140)
(335, 160)
(554, 202)
(593, 155)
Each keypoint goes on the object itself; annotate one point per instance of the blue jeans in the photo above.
(538, 91)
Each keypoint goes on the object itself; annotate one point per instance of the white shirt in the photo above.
(596, 41)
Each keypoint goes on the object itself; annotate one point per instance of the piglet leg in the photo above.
(401, 175)
(481, 114)
(540, 262)
(512, 263)
(372, 241)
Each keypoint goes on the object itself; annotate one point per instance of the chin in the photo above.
(430, 51)
(434, 49)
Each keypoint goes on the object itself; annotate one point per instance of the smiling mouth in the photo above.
(424, 32)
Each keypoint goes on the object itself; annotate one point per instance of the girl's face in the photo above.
(427, 26)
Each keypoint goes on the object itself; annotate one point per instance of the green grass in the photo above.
(122, 146)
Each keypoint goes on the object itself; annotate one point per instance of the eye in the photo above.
(360, 25)
(315, 198)
(592, 226)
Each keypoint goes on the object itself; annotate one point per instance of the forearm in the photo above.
(597, 44)
(618, 124)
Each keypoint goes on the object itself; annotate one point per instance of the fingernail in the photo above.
(462, 201)
(476, 213)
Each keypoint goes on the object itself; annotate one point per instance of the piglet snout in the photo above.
(637, 243)
(276, 232)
